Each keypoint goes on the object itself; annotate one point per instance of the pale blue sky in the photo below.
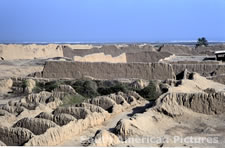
(111, 20)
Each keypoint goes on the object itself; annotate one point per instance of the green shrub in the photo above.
(24, 84)
(86, 88)
(107, 83)
(150, 92)
(113, 89)
(49, 86)
(72, 99)
(40, 86)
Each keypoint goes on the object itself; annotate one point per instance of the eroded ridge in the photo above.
(43, 121)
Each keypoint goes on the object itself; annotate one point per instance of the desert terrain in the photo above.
(160, 95)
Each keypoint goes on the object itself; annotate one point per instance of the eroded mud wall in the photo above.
(148, 71)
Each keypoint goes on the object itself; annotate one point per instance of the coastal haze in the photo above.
(118, 73)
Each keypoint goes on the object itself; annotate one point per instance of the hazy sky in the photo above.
(111, 20)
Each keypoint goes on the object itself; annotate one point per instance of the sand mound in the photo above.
(15, 136)
(125, 128)
(30, 51)
(36, 125)
(104, 138)
(101, 57)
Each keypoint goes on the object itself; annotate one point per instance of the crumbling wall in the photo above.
(206, 103)
(102, 101)
(36, 125)
(77, 70)
(77, 112)
(15, 136)
(63, 119)
(101, 57)
(202, 69)
(45, 125)
(91, 107)
(107, 50)
(45, 115)
(55, 136)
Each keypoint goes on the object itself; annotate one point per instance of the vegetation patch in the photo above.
(24, 84)
(48, 86)
(72, 99)
(94, 88)
(149, 92)
(86, 88)
(113, 89)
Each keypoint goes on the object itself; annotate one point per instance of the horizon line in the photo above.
(163, 42)
(111, 42)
